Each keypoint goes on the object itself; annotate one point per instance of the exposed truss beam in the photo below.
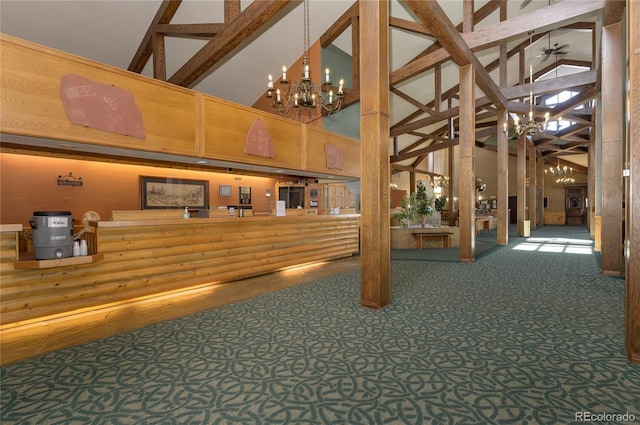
(562, 13)
(165, 13)
(432, 15)
(190, 30)
(581, 79)
(245, 26)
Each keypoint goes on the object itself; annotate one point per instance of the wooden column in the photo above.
(540, 190)
(612, 132)
(532, 191)
(375, 281)
(453, 172)
(502, 141)
(632, 275)
(592, 168)
(502, 192)
(466, 164)
(521, 179)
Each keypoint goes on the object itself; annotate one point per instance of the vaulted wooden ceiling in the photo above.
(432, 125)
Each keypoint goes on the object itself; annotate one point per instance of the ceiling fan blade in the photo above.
(564, 46)
(561, 53)
(524, 4)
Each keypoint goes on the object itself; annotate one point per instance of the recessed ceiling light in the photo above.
(201, 161)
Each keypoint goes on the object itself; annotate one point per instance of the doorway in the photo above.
(575, 205)
(513, 209)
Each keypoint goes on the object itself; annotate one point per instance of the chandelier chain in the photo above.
(306, 28)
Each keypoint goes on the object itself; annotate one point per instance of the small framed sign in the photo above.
(224, 190)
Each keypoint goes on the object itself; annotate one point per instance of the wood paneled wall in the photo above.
(177, 120)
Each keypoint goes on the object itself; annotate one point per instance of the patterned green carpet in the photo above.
(528, 334)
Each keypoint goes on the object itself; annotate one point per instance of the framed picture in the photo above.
(166, 192)
(245, 195)
(224, 190)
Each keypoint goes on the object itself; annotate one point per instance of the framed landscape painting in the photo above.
(166, 192)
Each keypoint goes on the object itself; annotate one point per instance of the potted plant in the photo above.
(439, 205)
(406, 214)
(422, 203)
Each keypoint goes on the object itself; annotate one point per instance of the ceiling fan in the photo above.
(556, 50)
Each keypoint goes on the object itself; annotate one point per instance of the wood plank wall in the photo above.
(183, 123)
(147, 258)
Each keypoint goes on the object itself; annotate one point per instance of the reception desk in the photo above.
(142, 259)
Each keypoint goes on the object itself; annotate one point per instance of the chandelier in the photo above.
(438, 182)
(563, 173)
(530, 127)
(304, 94)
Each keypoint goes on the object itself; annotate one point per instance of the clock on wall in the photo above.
(313, 193)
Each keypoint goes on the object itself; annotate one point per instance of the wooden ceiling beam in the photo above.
(560, 14)
(414, 102)
(231, 10)
(249, 22)
(339, 26)
(410, 26)
(165, 13)
(557, 64)
(190, 30)
(431, 148)
(613, 11)
(570, 104)
(453, 90)
(435, 118)
(580, 79)
(554, 138)
(432, 15)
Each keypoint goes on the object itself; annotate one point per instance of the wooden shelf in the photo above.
(29, 262)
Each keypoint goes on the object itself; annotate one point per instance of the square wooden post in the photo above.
(467, 164)
(375, 285)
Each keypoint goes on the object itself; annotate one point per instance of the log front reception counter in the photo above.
(47, 308)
